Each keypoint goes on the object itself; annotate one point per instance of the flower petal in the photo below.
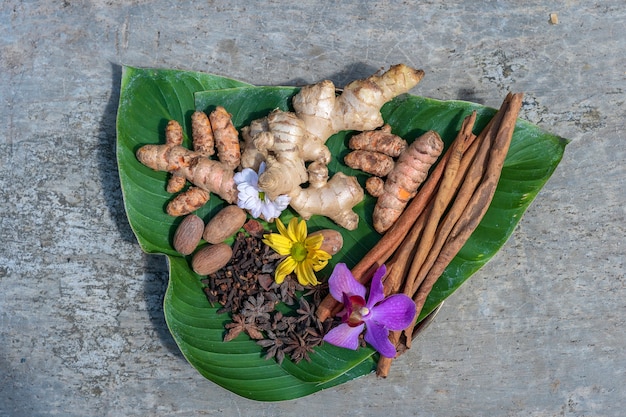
(377, 293)
(304, 272)
(344, 336)
(314, 242)
(282, 229)
(378, 337)
(283, 269)
(279, 243)
(318, 263)
(247, 175)
(292, 232)
(395, 312)
(342, 282)
(281, 202)
(301, 231)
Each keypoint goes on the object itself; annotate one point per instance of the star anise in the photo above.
(242, 324)
(275, 347)
(257, 308)
(288, 290)
(317, 292)
(313, 337)
(307, 313)
(298, 348)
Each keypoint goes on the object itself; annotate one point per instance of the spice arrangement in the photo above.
(249, 201)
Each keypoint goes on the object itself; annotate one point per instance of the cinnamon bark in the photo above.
(477, 177)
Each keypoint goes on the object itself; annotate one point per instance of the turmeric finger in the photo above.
(202, 134)
(187, 202)
(173, 133)
(374, 186)
(374, 163)
(226, 137)
(175, 184)
(381, 140)
(402, 183)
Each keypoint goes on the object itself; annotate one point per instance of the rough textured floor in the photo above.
(539, 331)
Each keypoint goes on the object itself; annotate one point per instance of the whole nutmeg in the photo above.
(224, 224)
(333, 241)
(188, 234)
(211, 258)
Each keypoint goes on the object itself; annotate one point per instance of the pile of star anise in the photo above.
(280, 317)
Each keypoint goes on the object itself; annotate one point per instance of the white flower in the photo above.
(254, 200)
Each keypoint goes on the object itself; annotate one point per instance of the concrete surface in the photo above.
(538, 332)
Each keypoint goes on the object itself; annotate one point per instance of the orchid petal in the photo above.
(377, 292)
(395, 312)
(344, 336)
(378, 337)
(342, 282)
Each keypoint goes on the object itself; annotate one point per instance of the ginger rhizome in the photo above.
(288, 141)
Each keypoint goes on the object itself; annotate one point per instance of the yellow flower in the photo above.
(303, 254)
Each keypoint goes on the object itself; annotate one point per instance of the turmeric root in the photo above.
(187, 202)
(381, 140)
(174, 136)
(226, 137)
(202, 134)
(375, 186)
(208, 176)
(402, 183)
(372, 162)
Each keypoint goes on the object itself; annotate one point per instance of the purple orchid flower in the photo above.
(378, 315)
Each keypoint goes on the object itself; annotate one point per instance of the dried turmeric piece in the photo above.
(202, 134)
(174, 136)
(207, 176)
(374, 186)
(402, 183)
(372, 162)
(381, 140)
(187, 202)
(226, 137)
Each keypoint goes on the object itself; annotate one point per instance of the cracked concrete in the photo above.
(539, 331)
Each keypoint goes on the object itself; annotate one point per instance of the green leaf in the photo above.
(149, 98)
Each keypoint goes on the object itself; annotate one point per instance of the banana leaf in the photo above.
(149, 98)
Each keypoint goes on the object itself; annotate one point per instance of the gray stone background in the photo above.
(539, 331)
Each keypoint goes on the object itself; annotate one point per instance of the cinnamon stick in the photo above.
(479, 203)
(445, 193)
(468, 209)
